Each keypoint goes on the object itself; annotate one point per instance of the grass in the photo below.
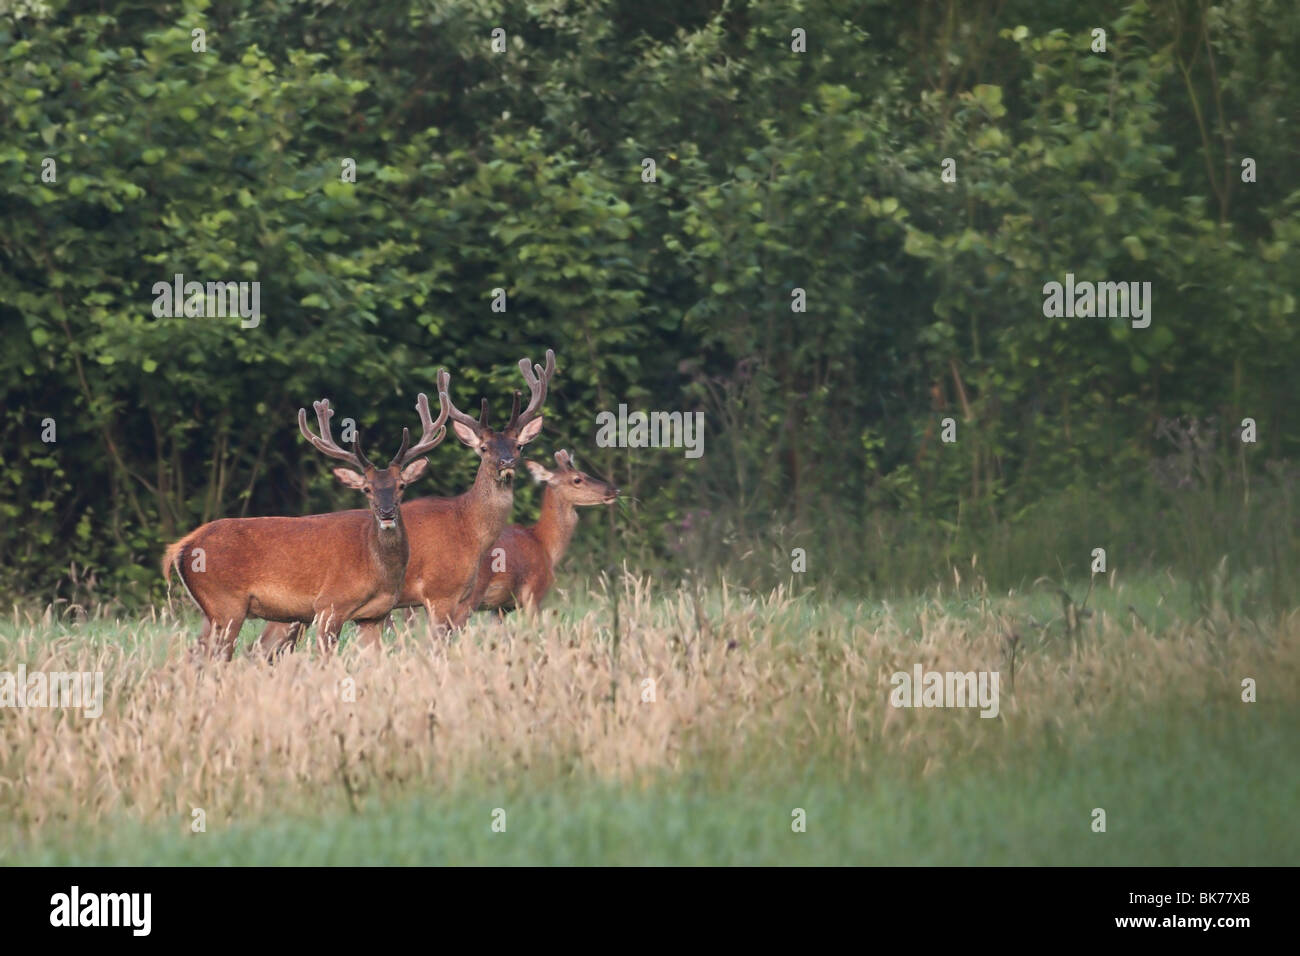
(761, 704)
(1169, 798)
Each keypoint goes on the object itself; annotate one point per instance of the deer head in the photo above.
(382, 487)
(573, 486)
(500, 450)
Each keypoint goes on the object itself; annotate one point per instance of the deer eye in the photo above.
(577, 481)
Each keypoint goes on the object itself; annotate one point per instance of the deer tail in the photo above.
(173, 554)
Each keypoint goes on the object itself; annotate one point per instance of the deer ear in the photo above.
(414, 470)
(465, 434)
(351, 478)
(530, 431)
(538, 472)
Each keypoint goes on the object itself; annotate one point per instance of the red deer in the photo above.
(450, 535)
(528, 556)
(331, 567)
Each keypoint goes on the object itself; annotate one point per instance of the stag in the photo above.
(449, 536)
(329, 568)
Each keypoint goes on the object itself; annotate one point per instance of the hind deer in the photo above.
(331, 567)
(528, 556)
(449, 536)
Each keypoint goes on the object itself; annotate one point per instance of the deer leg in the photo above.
(328, 624)
(226, 636)
(459, 615)
(529, 604)
(278, 639)
(369, 631)
(437, 620)
(291, 638)
(327, 636)
(199, 650)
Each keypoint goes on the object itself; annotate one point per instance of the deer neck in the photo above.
(555, 525)
(490, 502)
(389, 546)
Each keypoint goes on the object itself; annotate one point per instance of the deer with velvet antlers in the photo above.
(449, 536)
(330, 568)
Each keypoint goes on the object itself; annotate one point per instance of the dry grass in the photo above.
(741, 682)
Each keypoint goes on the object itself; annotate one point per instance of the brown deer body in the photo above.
(450, 535)
(526, 557)
(314, 567)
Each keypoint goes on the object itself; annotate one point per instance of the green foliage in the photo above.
(775, 171)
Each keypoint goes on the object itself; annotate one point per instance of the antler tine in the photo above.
(538, 379)
(356, 450)
(401, 452)
(482, 415)
(454, 413)
(324, 443)
(434, 432)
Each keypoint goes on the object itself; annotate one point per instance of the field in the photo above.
(693, 736)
